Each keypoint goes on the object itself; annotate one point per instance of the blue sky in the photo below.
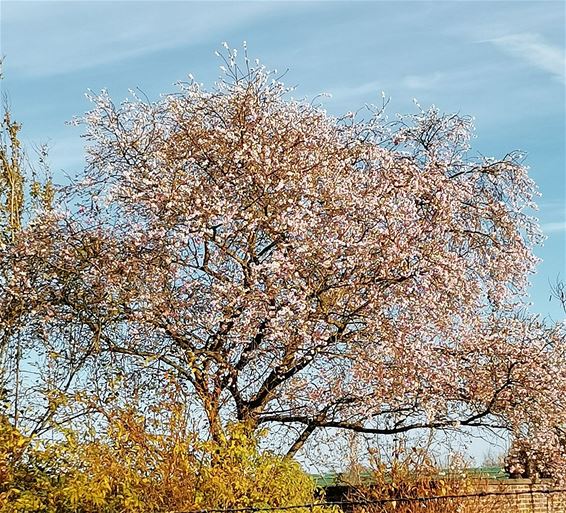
(501, 62)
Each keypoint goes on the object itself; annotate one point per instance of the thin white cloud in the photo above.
(423, 82)
(50, 38)
(374, 88)
(558, 226)
(342, 92)
(533, 49)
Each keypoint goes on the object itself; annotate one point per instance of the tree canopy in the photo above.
(291, 268)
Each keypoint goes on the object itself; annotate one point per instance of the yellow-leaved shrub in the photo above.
(132, 467)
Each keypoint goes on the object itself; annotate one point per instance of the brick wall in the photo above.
(501, 496)
(523, 496)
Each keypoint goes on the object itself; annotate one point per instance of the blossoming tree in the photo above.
(294, 268)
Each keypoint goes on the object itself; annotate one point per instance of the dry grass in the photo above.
(414, 484)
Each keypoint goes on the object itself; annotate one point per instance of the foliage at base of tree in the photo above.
(130, 468)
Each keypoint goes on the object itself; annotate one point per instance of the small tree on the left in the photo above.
(21, 193)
